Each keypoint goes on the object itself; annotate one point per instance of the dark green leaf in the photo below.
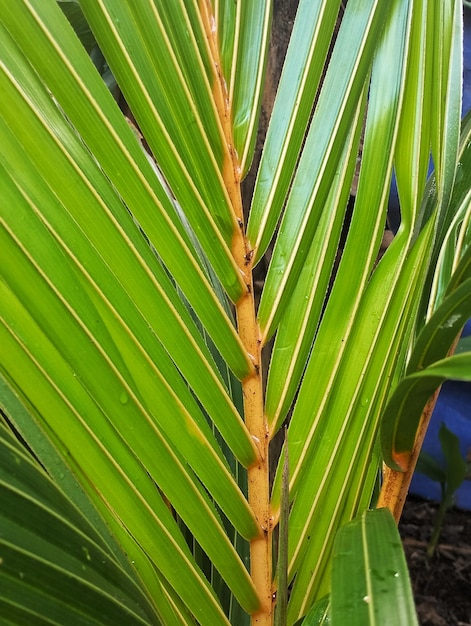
(430, 467)
(442, 328)
(53, 562)
(370, 581)
(455, 464)
(402, 415)
(74, 14)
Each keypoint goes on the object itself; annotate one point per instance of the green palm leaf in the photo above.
(61, 555)
(244, 32)
(296, 93)
(382, 593)
(401, 418)
(131, 360)
(323, 147)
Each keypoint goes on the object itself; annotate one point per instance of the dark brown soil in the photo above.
(441, 583)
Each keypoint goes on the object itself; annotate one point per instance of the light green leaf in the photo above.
(126, 312)
(299, 83)
(335, 110)
(360, 350)
(349, 415)
(109, 297)
(450, 179)
(370, 581)
(129, 490)
(452, 257)
(89, 106)
(412, 152)
(299, 324)
(144, 287)
(245, 33)
(143, 44)
(446, 24)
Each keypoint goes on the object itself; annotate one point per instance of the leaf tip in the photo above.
(401, 460)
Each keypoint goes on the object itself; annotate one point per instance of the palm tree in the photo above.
(182, 442)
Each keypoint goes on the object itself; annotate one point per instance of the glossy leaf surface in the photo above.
(132, 318)
(370, 581)
(402, 415)
(61, 556)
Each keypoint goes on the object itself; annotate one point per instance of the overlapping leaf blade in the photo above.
(336, 107)
(87, 103)
(61, 556)
(111, 353)
(319, 615)
(448, 310)
(451, 259)
(447, 27)
(138, 40)
(442, 329)
(55, 462)
(243, 32)
(413, 149)
(81, 421)
(347, 484)
(296, 93)
(299, 324)
(143, 288)
(357, 343)
(104, 296)
(339, 315)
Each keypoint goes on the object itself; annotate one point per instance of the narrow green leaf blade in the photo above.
(300, 322)
(351, 419)
(138, 320)
(362, 301)
(245, 34)
(319, 615)
(337, 106)
(446, 24)
(451, 261)
(110, 300)
(296, 94)
(96, 230)
(412, 152)
(370, 581)
(51, 559)
(143, 43)
(89, 106)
